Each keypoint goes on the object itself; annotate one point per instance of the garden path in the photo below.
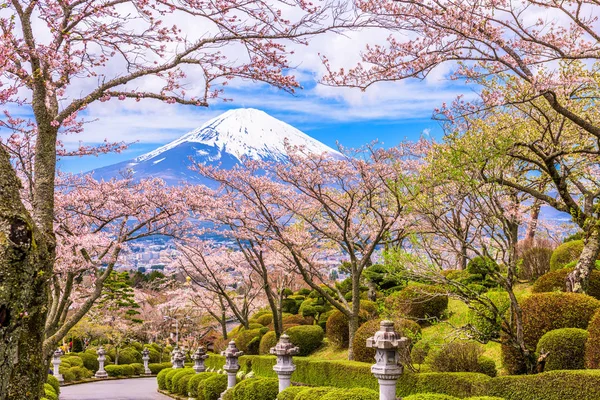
(121, 389)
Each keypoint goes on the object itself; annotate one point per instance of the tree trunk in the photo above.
(224, 325)
(353, 320)
(533, 221)
(25, 267)
(578, 280)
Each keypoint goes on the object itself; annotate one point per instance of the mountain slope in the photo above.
(224, 140)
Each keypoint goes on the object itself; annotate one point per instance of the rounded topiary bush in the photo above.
(482, 266)
(566, 348)
(194, 382)
(72, 361)
(565, 253)
(556, 281)
(337, 330)
(256, 389)
(169, 378)
(592, 347)
(429, 396)
(544, 312)
(244, 339)
(352, 394)
(53, 381)
(265, 319)
(313, 393)
(404, 327)
(307, 337)
(174, 387)
(129, 356)
(214, 386)
(90, 361)
(460, 356)
(419, 302)
(484, 318)
(182, 384)
(290, 393)
(268, 340)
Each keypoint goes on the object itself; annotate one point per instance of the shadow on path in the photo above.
(122, 389)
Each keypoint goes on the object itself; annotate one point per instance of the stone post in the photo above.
(232, 366)
(101, 373)
(387, 369)
(56, 364)
(146, 359)
(284, 350)
(178, 359)
(199, 356)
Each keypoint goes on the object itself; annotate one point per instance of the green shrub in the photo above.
(90, 361)
(268, 340)
(67, 375)
(314, 393)
(337, 328)
(119, 370)
(169, 378)
(265, 319)
(80, 373)
(161, 378)
(256, 389)
(53, 381)
(352, 394)
(487, 321)
(244, 338)
(181, 385)
(551, 385)
(482, 266)
(137, 346)
(484, 398)
(460, 357)
(535, 262)
(544, 312)
(214, 386)
(49, 392)
(179, 373)
(429, 396)
(155, 368)
(129, 356)
(487, 366)
(138, 368)
(556, 281)
(193, 383)
(592, 346)
(307, 337)
(565, 253)
(566, 347)
(290, 393)
(405, 327)
(297, 320)
(72, 361)
(419, 302)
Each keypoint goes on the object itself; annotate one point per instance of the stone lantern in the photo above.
(284, 350)
(199, 356)
(56, 364)
(146, 359)
(178, 359)
(231, 354)
(387, 369)
(101, 373)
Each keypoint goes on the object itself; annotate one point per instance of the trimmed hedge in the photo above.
(248, 341)
(194, 382)
(430, 396)
(181, 372)
(290, 393)
(90, 361)
(552, 385)
(556, 281)
(214, 386)
(362, 353)
(161, 378)
(169, 378)
(268, 340)
(566, 347)
(53, 381)
(352, 394)
(418, 302)
(544, 312)
(565, 253)
(592, 347)
(256, 389)
(156, 368)
(182, 385)
(120, 370)
(307, 337)
(313, 393)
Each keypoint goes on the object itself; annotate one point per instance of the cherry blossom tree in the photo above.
(315, 209)
(59, 57)
(534, 59)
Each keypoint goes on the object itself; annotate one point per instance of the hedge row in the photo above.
(552, 385)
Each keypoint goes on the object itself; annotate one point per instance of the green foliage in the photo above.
(179, 383)
(556, 281)
(118, 297)
(487, 366)
(383, 278)
(179, 373)
(352, 394)
(244, 338)
(53, 381)
(138, 368)
(429, 396)
(544, 312)
(405, 327)
(482, 266)
(418, 302)
(120, 370)
(169, 378)
(313, 393)
(292, 304)
(307, 337)
(592, 347)
(194, 382)
(129, 355)
(460, 357)
(49, 392)
(566, 347)
(155, 368)
(552, 385)
(90, 361)
(71, 361)
(265, 319)
(161, 378)
(535, 262)
(486, 320)
(268, 340)
(256, 389)
(290, 393)
(314, 307)
(565, 253)
(214, 386)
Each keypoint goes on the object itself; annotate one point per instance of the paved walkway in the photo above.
(121, 389)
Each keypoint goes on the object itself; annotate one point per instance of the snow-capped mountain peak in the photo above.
(245, 132)
(224, 140)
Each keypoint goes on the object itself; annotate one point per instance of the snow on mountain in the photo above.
(224, 140)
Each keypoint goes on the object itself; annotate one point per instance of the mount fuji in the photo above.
(222, 141)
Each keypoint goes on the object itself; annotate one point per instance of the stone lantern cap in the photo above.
(58, 353)
(200, 354)
(386, 338)
(145, 352)
(284, 347)
(232, 351)
(100, 351)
